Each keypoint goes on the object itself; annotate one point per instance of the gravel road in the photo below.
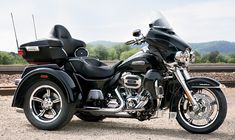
(14, 125)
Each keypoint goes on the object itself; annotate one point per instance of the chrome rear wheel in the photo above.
(46, 106)
(45, 103)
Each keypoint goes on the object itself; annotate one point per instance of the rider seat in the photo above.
(92, 68)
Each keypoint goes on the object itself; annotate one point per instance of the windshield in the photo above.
(160, 22)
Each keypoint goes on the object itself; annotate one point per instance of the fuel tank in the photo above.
(141, 62)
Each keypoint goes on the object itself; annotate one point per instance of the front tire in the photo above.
(212, 112)
(46, 107)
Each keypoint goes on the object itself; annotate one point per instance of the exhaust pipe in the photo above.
(107, 111)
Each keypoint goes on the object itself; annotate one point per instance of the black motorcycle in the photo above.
(63, 81)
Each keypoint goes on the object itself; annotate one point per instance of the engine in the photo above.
(135, 96)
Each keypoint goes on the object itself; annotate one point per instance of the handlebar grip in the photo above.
(130, 42)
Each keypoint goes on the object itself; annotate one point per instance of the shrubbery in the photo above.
(116, 52)
(215, 57)
(121, 52)
(11, 58)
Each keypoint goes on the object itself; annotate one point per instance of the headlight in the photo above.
(192, 57)
(185, 57)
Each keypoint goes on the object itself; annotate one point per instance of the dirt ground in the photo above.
(14, 125)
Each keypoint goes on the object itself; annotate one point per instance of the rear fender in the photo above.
(58, 76)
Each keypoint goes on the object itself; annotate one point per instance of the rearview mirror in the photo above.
(136, 33)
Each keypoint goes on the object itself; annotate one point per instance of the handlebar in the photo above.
(130, 42)
(136, 41)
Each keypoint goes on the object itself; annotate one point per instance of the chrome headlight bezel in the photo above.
(185, 57)
(192, 57)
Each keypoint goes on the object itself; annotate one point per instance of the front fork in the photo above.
(182, 74)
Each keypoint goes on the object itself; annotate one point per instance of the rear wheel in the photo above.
(211, 114)
(88, 117)
(46, 107)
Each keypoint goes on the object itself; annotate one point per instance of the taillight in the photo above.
(20, 52)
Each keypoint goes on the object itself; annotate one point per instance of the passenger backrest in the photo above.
(70, 44)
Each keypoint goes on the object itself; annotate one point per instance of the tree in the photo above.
(212, 56)
(121, 48)
(6, 58)
(101, 52)
(231, 58)
(126, 54)
(220, 59)
(198, 57)
(112, 55)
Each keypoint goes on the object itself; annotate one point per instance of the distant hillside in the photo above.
(104, 43)
(224, 47)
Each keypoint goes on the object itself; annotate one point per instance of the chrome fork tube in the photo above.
(181, 79)
(186, 74)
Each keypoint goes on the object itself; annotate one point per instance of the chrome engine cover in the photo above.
(132, 81)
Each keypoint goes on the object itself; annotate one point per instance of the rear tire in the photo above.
(46, 106)
(212, 111)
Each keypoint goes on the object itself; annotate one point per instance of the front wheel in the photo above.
(211, 114)
(46, 107)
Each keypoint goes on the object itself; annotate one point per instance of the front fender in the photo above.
(194, 82)
(58, 76)
(203, 82)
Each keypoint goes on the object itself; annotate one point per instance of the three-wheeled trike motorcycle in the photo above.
(63, 81)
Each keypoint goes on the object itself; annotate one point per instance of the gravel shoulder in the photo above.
(14, 125)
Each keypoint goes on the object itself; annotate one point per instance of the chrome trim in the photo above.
(126, 80)
(186, 56)
(196, 126)
(180, 78)
(145, 49)
(167, 77)
(186, 74)
(206, 87)
(64, 52)
(156, 88)
(138, 63)
(32, 49)
(78, 49)
(141, 104)
(158, 94)
(121, 114)
(44, 104)
(108, 111)
(17, 81)
(133, 110)
(72, 67)
(95, 94)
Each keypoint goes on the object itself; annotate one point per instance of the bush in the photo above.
(126, 54)
(11, 58)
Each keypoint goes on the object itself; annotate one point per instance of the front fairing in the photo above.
(167, 44)
(161, 38)
(167, 40)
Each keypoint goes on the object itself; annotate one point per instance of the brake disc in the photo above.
(206, 109)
